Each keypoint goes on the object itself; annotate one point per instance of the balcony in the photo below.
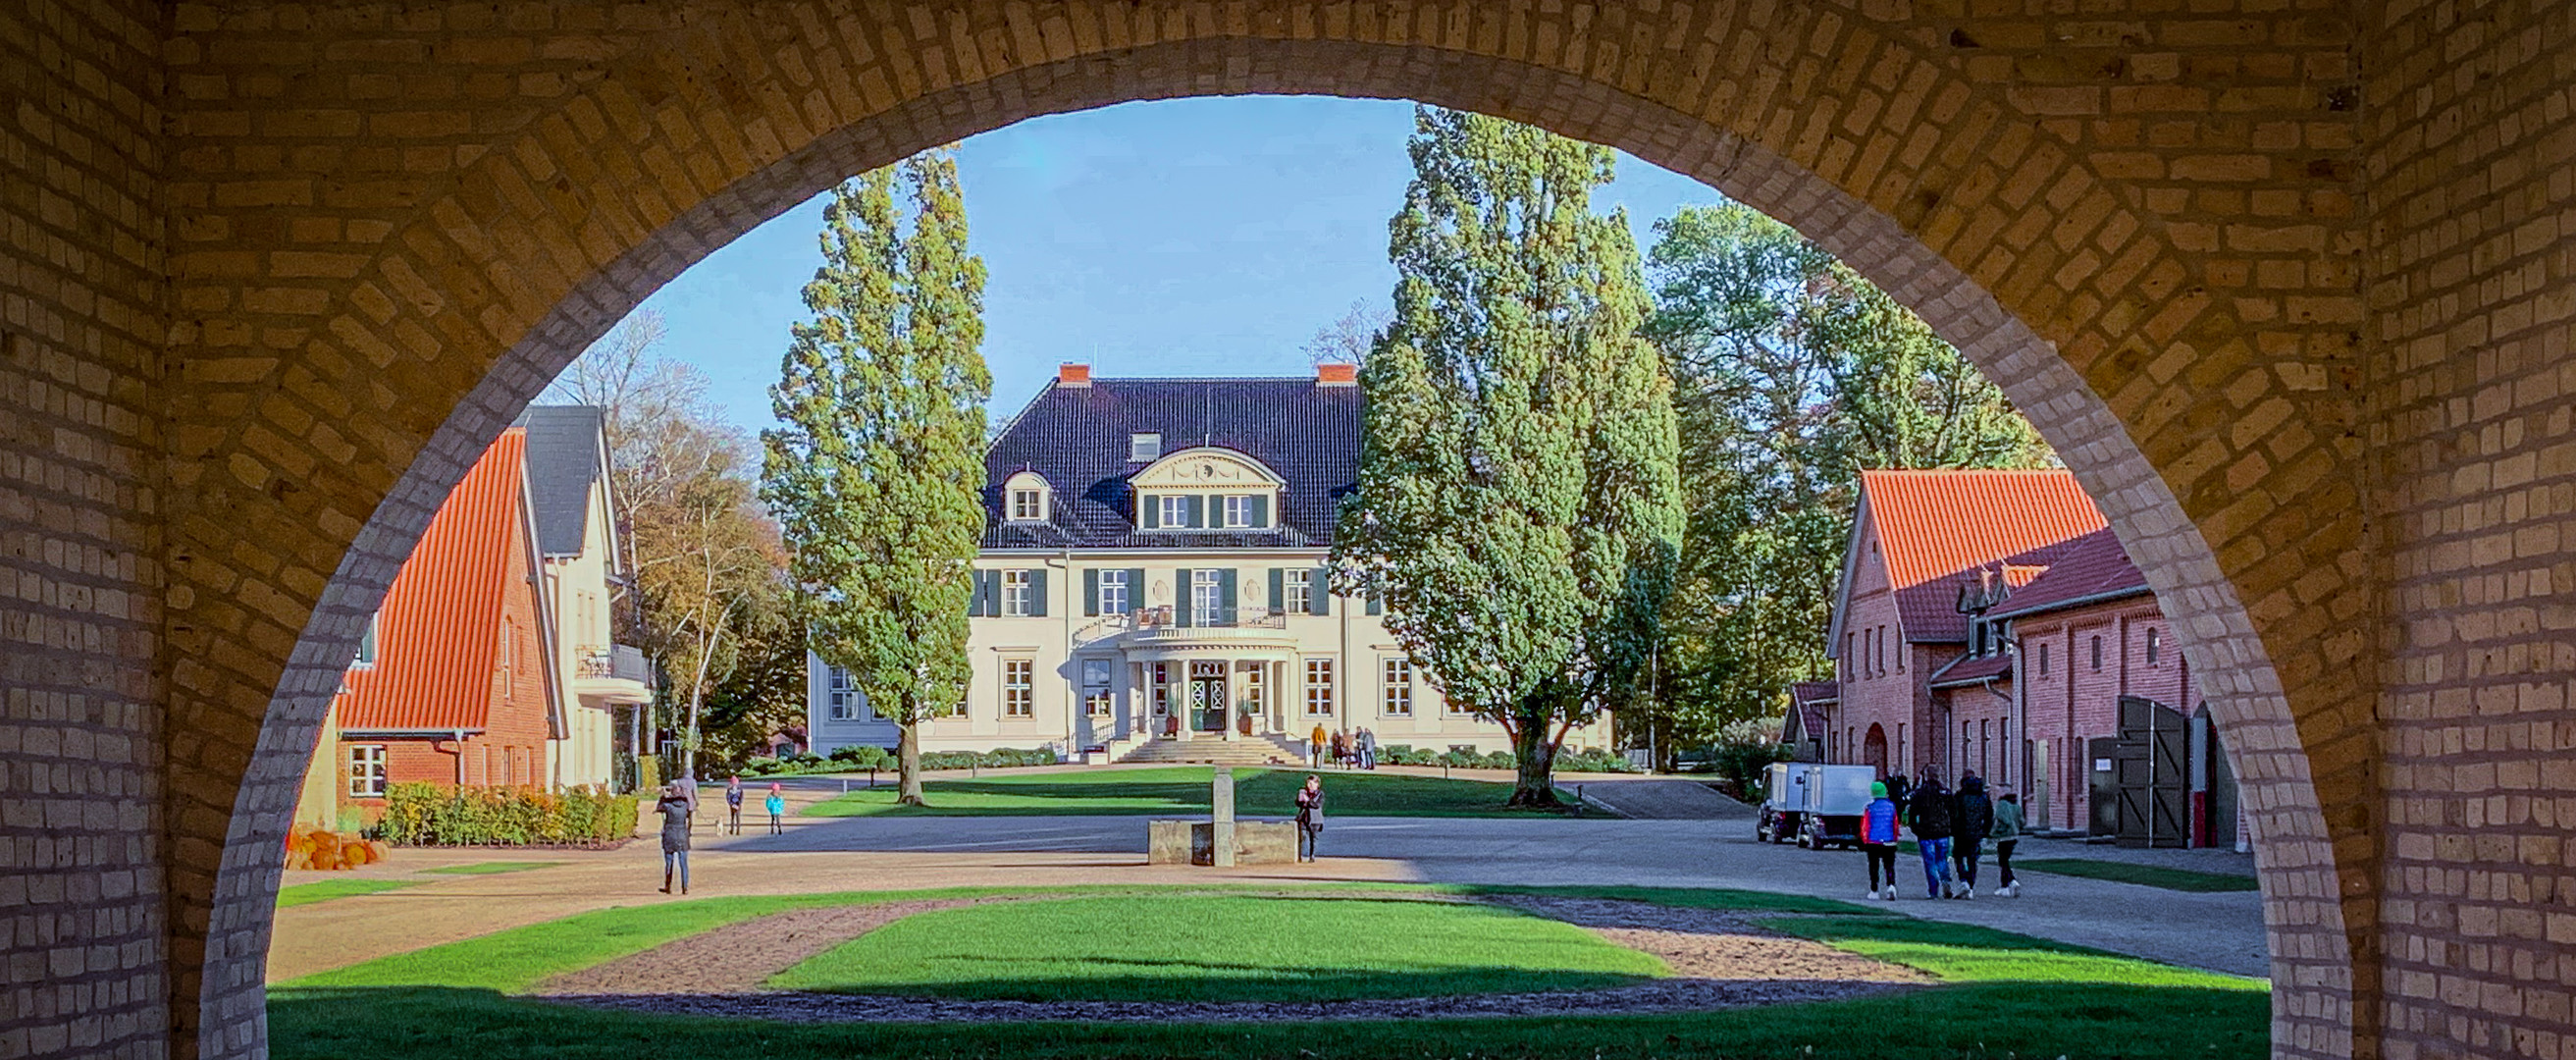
(1162, 632)
(612, 673)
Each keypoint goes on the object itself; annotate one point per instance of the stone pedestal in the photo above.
(1221, 828)
(1194, 843)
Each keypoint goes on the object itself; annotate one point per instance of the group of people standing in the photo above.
(678, 805)
(1349, 750)
(1950, 832)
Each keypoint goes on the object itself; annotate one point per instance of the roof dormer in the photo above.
(1027, 498)
(1207, 488)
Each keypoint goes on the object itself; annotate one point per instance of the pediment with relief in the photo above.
(1206, 468)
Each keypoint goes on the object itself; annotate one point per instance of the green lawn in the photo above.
(1221, 948)
(325, 890)
(1184, 790)
(486, 868)
(2146, 875)
(2005, 996)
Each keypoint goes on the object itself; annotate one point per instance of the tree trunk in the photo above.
(907, 758)
(1536, 752)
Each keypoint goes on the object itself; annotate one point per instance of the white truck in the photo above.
(1818, 805)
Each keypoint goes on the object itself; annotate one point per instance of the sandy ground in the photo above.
(1718, 961)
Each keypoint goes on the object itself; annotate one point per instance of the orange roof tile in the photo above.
(1933, 525)
(438, 631)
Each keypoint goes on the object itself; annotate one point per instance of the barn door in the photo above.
(2150, 760)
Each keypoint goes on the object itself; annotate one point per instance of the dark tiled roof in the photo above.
(1806, 718)
(2088, 568)
(564, 446)
(1814, 692)
(1931, 610)
(1969, 670)
(1076, 438)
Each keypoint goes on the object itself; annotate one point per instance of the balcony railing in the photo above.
(612, 662)
(1156, 619)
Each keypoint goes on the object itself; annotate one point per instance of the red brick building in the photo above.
(456, 682)
(1990, 621)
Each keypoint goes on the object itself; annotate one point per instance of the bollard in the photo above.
(1221, 805)
(1578, 800)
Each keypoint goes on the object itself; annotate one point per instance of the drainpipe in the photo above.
(1073, 708)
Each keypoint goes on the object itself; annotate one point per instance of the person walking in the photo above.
(1975, 818)
(733, 804)
(1342, 750)
(675, 806)
(1929, 814)
(2007, 835)
(1318, 745)
(1310, 816)
(1878, 841)
(776, 804)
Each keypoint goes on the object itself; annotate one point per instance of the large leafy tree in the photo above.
(1793, 375)
(877, 469)
(1517, 510)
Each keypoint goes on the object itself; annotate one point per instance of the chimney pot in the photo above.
(1070, 374)
(1337, 375)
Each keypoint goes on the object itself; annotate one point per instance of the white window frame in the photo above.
(1144, 447)
(1207, 596)
(1319, 688)
(363, 770)
(1114, 587)
(1015, 594)
(1028, 505)
(1297, 591)
(1019, 688)
(836, 694)
(1238, 510)
(1174, 511)
(1395, 692)
(370, 644)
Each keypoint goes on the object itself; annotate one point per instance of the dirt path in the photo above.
(1719, 961)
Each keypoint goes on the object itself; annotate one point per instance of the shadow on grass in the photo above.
(1987, 1020)
(1170, 980)
(1182, 791)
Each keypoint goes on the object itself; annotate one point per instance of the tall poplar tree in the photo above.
(877, 472)
(1518, 511)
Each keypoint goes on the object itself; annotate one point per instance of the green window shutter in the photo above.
(1279, 590)
(1135, 588)
(1152, 512)
(1198, 511)
(1090, 593)
(975, 594)
(992, 593)
(1319, 598)
(1225, 597)
(1260, 510)
(1037, 593)
(1181, 597)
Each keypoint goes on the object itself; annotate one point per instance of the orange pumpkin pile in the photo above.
(325, 849)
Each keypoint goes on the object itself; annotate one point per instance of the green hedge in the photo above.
(419, 814)
(854, 759)
(1587, 760)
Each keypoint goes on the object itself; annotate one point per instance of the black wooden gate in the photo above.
(2149, 764)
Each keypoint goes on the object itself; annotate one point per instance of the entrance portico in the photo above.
(1211, 681)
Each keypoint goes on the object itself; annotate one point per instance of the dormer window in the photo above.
(1247, 511)
(1144, 448)
(1174, 510)
(1025, 498)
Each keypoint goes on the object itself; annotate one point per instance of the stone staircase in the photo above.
(1240, 751)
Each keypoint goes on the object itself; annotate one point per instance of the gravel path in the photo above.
(1719, 961)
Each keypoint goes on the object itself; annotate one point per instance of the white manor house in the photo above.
(1152, 586)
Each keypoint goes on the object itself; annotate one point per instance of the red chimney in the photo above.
(1330, 374)
(1073, 375)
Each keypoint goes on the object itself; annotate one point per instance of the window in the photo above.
(1174, 511)
(1396, 693)
(1095, 688)
(1095, 702)
(1027, 504)
(1297, 592)
(1207, 597)
(1015, 594)
(366, 770)
(1255, 687)
(1114, 594)
(1319, 687)
(367, 644)
(2040, 655)
(2154, 641)
(1161, 674)
(1019, 694)
(840, 702)
(1144, 447)
(505, 654)
(2097, 653)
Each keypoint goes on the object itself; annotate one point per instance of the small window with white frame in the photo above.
(1297, 591)
(1238, 510)
(1144, 447)
(1175, 512)
(1015, 594)
(1028, 505)
(366, 770)
(1019, 688)
(1396, 687)
(367, 645)
(1116, 597)
(840, 701)
(1095, 687)
(1319, 687)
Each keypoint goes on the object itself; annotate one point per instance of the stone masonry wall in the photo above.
(84, 926)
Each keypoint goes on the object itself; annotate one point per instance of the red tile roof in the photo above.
(1969, 670)
(1934, 525)
(2091, 567)
(438, 631)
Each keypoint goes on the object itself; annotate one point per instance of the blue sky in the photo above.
(1185, 237)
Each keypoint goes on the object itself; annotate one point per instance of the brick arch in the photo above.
(487, 277)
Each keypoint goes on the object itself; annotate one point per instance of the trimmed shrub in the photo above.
(860, 757)
(420, 814)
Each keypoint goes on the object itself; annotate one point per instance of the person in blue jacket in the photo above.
(1878, 841)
